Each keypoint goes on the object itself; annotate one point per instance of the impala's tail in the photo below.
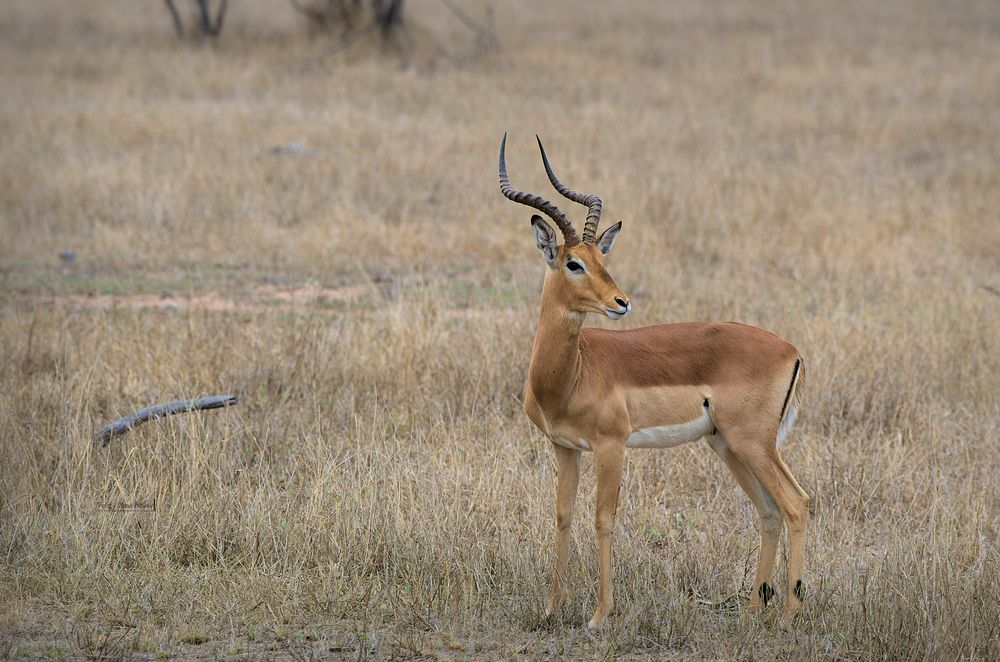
(790, 409)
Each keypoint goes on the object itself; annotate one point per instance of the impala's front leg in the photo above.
(568, 478)
(609, 458)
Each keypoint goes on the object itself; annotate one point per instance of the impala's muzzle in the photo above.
(624, 306)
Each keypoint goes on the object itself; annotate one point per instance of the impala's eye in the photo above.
(574, 266)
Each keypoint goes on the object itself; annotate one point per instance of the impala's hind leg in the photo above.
(568, 478)
(767, 466)
(796, 545)
(770, 522)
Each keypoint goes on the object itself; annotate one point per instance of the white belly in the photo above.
(578, 445)
(666, 436)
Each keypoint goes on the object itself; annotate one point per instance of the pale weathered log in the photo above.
(124, 425)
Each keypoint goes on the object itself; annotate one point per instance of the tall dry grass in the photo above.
(829, 172)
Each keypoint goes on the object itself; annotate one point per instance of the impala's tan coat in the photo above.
(603, 391)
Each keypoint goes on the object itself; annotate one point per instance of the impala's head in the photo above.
(577, 268)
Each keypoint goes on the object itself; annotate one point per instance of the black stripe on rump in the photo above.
(795, 373)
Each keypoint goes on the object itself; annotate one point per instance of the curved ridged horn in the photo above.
(538, 202)
(593, 203)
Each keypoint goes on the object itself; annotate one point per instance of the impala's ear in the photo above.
(608, 237)
(545, 238)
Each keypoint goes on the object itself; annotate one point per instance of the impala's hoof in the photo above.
(598, 619)
(555, 601)
(765, 592)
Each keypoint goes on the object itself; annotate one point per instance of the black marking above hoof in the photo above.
(800, 591)
(766, 593)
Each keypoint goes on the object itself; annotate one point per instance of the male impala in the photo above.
(654, 387)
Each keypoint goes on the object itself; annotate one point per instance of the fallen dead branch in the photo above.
(125, 424)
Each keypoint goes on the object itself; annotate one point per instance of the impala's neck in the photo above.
(555, 355)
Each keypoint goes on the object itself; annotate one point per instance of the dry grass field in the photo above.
(324, 238)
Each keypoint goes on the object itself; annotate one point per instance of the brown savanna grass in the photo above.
(829, 171)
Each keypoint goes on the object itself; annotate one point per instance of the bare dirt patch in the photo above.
(259, 298)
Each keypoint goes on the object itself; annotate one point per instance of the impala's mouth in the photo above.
(618, 313)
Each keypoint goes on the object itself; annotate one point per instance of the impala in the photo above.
(659, 386)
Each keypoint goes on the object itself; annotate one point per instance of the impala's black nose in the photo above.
(621, 302)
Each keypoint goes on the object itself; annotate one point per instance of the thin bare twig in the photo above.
(178, 24)
(208, 26)
(349, 38)
(311, 13)
(486, 35)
